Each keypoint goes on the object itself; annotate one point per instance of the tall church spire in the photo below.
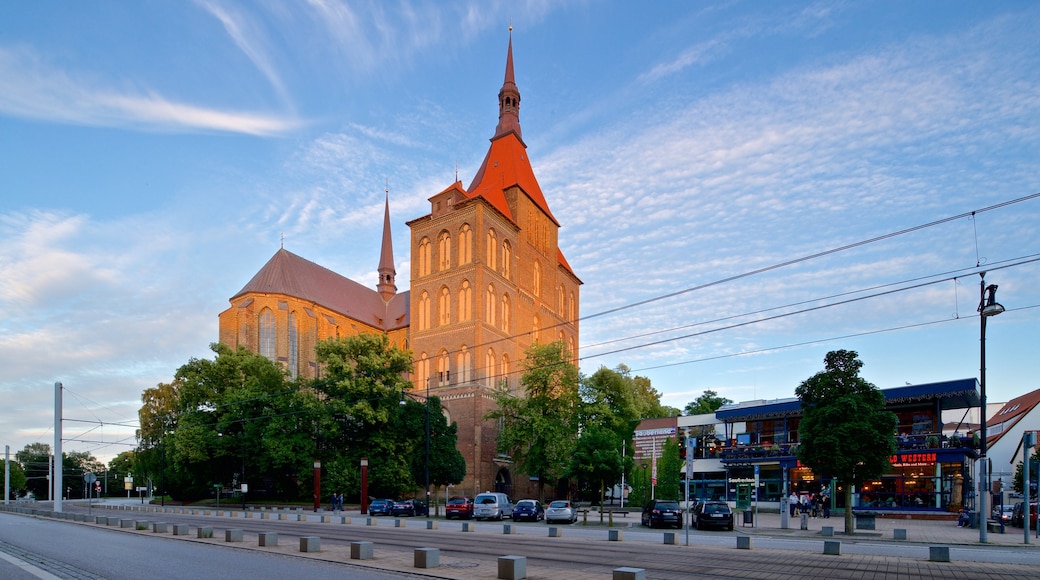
(509, 99)
(387, 287)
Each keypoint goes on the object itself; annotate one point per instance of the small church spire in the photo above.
(387, 286)
(509, 99)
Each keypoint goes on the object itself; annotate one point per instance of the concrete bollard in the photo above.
(614, 535)
(743, 542)
(431, 524)
(310, 544)
(832, 548)
(626, 573)
(512, 567)
(180, 529)
(283, 516)
(899, 534)
(372, 522)
(805, 521)
(233, 535)
(671, 538)
(204, 533)
(469, 527)
(827, 531)
(265, 516)
(268, 539)
(427, 557)
(399, 523)
(939, 553)
(555, 532)
(127, 524)
(362, 550)
(508, 529)
(159, 528)
(101, 520)
(326, 519)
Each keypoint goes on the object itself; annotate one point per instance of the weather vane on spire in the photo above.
(281, 239)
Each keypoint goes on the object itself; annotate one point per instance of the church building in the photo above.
(488, 280)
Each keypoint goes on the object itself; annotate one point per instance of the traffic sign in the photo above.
(89, 477)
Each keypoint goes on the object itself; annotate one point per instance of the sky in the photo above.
(741, 186)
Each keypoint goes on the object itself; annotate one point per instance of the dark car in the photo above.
(410, 507)
(661, 513)
(713, 514)
(381, 507)
(459, 507)
(1017, 516)
(528, 509)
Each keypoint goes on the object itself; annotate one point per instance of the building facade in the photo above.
(488, 280)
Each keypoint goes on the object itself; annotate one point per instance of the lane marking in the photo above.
(27, 567)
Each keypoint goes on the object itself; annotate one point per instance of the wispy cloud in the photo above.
(35, 90)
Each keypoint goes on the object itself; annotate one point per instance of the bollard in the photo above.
(180, 529)
(399, 523)
(832, 548)
(204, 533)
(555, 532)
(805, 521)
(159, 528)
(372, 522)
(899, 534)
(310, 544)
(743, 542)
(627, 573)
(671, 538)
(512, 567)
(939, 553)
(431, 524)
(469, 527)
(827, 531)
(362, 550)
(614, 535)
(126, 523)
(427, 557)
(268, 539)
(233, 535)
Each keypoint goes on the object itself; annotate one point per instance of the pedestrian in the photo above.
(803, 503)
(793, 501)
(826, 500)
(339, 501)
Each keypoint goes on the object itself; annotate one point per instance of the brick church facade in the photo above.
(488, 280)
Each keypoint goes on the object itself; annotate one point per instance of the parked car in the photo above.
(528, 509)
(1003, 514)
(713, 514)
(381, 507)
(410, 507)
(459, 507)
(561, 510)
(662, 513)
(1017, 516)
(492, 505)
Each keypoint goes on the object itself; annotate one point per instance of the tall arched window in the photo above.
(444, 306)
(464, 365)
(561, 306)
(570, 308)
(465, 244)
(505, 314)
(489, 305)
(492, 250)
(424, 257)
(444, 251)
(535, 328)
(443, 372)
(267, 334)
(423, 370)
(465, 301)
(570, 346)
(507, 258)
(424, 311)
(505, 370)
(489, 368)
(537, 279)
(294, 347)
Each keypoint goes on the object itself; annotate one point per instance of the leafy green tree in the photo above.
(446, 464)
(846, 433)
(669, 468)
(540, 429)
(597, 459)
(647, 398)
(35, 459)
(1017, 484)
(17, 483)
(118, 468)
(708, 402)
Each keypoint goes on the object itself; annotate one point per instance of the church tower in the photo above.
(488, 280)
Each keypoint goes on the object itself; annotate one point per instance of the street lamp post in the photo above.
(988, 306)
(645, 481)
(427, 464)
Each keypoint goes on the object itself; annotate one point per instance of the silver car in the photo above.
(561, 510)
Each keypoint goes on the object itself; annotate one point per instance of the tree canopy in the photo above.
(845, 433)
(708, 402)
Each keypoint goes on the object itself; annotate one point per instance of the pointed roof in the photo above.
(1011, 414)
(387, 285)
(289, 274)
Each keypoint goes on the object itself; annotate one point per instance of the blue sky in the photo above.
(152, 154)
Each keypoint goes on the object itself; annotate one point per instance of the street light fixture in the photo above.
(988, 306)
(427, 465)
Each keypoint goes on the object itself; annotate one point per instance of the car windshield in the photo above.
(667, 505)
(525, 504)
(560, 504)
(457, 501)
(716, 508)
(487, 499)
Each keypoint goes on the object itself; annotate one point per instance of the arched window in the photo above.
(464, 364)
(423, 370)
(465, 244)
(561, 306)
(535, 328)
(537, 279)
(267, 334)
(489, 305)
(444, 306)
(489, 368)
(424, 311)
(424, 257)
(465, 301)
(294, 347)
(505, 315)
(571, 305)
(570, 346)
(492, 250)
(507, 258)
(444, 251)
(505, 370)
(443, 370)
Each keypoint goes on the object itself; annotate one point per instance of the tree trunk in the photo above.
(850, 522)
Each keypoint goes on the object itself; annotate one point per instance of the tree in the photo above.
(669, 468)
(709, 402)
(1018, 484)
(596, 459)
(540, 429)
(18, 480)
(845, 433)
(446, 464)
(35, 459)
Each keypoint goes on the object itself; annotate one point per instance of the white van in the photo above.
(492, 506)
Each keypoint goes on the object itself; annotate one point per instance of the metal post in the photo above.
(364, 486)
(7, 474)
(1028, 440)
(58, 463)
(427, 448)
(317, 485)
(988, 306)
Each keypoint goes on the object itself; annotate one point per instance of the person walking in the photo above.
(793, 503)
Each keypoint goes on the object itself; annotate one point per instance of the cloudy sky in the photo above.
(742, 186)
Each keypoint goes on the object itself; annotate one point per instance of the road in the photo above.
(581, 552)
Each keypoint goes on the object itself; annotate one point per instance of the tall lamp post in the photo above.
(427, 465)
(988, 306)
